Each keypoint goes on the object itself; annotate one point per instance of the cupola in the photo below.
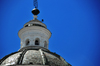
(34, 33)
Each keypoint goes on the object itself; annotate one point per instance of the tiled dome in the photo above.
(34, 56)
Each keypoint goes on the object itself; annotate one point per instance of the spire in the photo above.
(35, 11)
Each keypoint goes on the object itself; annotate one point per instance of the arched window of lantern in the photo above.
(30, 63)
(27, 42)
(26, 25)
(45, 44)
(37, 41)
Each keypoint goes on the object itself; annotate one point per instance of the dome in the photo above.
(34, 56)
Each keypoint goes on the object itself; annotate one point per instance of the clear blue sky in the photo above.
(75, 27)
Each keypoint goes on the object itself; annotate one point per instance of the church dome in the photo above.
(34, 56)
(34, 51)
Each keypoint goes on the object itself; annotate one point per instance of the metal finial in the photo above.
(35, 11)
(35, 17)
(35, 3)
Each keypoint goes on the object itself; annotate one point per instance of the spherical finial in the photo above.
(35, 11)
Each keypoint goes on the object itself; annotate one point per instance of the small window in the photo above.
(38, 25)
(45, 44)
(33, 24)
(27, 42)
(26, 25)
(37, 42)
(30, 63)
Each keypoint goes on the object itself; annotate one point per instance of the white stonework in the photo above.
(32, 34)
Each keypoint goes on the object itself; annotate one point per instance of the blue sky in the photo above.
(74, 24)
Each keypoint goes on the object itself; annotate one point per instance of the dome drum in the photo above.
(34, 36)
(35, 28)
